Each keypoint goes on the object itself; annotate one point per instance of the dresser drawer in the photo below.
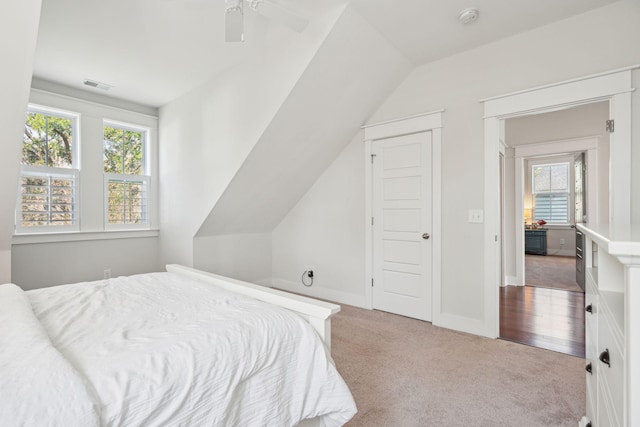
(610, 376)
(606, 414)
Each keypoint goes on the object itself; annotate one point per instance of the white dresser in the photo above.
(612, 300)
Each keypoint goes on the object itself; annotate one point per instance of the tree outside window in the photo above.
(126, 182)
(48, 175)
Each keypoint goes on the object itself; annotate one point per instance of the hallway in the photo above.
(547, 318)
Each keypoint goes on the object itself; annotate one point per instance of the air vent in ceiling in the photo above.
(97, 85)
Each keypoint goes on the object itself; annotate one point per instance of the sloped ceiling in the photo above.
(153, 51)
(350, 75)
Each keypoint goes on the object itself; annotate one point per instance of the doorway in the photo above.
(406, 138)
(542, 304)
(613, 86)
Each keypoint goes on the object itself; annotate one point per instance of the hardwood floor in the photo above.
(546, 318)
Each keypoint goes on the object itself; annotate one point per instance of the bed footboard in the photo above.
(316, 313)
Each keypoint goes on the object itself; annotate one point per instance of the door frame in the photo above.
(614, 86)
(588, 145)
(431, 121)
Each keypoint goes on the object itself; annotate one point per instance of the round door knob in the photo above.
(425, 236)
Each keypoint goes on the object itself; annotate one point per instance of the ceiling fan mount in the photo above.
(234, 17)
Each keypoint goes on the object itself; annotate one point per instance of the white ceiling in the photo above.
(152, 51)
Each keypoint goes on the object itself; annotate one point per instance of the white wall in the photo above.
(316, 121)
(325, 230)
(40, 265)
(18, 33)
(241, 256)
(207, 134)
(575, 47)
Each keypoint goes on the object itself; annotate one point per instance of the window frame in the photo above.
(568, 193)
(89, 160)
(43, 171)
(144, 177)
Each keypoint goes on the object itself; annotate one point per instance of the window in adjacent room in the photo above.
(48, 193)
(551, 192)
(126, 176)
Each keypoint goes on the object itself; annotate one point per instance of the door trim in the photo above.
(615, 86)
(588, 145)
(431, 121)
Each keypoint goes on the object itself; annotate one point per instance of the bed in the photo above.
(181, 347)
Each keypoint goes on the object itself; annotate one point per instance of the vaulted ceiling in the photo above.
(153, 51)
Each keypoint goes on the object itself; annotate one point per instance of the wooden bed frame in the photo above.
(316, 313)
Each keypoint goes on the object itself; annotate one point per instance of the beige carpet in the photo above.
(405, 372)
(556, 272)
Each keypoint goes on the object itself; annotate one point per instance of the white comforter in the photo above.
(37, 384)
(159, 350)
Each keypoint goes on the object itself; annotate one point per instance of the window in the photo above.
(47, 199)
(551, 192)
(101, 179)
(126, 179)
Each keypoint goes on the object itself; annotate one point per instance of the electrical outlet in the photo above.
(106, 274)
(562, 241)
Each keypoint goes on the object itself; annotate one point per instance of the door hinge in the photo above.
(610, 126)
(372, 282)
(371, 220)
(372, 156)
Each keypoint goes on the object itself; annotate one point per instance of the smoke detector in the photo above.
(468, 15)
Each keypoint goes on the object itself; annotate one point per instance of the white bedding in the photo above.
(160, 349)
(37, 384)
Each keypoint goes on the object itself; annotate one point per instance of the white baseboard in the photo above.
(464, 324)
(319, 292)
(561, 252)
(264, 282)
(514, 281)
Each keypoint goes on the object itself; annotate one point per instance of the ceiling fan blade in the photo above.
(281, 15)
(234, 22)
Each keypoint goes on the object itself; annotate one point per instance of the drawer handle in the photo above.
(604, 357)
(589, 309)
(588, 368)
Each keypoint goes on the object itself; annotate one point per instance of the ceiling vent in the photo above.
(467, 16)
(97, 85)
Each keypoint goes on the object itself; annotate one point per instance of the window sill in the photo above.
(78, 236)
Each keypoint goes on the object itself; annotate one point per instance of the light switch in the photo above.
(476, 216)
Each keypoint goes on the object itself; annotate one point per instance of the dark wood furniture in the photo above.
(535, 241)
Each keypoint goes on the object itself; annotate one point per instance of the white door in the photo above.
(402, 249)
